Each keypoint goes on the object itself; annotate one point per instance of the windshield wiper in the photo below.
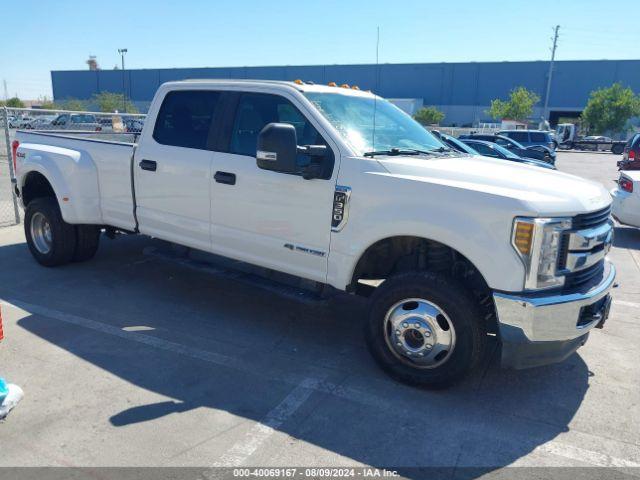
(440, 150)
(406, 151)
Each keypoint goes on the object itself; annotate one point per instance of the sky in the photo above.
(61, 34)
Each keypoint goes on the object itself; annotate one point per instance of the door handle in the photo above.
(149, 165)
(225, 177)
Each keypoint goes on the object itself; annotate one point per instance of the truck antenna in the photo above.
(375, 98)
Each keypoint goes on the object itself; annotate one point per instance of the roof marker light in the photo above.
(332, 84)
(298, 81)
(344, 85)
(355, 87)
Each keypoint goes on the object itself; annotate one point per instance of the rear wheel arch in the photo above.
(36, 185)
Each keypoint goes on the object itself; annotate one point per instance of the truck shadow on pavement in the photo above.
(209, 343)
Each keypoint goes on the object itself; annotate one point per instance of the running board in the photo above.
(223, 268)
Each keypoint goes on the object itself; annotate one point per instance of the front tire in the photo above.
(425, 329)
(51, 240)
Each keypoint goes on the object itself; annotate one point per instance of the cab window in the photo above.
(255, 110)
(185, 118)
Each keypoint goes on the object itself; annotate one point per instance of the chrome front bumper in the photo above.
(541, 328)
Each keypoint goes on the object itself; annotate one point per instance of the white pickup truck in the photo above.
(340, 189)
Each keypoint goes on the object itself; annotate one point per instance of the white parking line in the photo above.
(627, 304)
(587, 456)
(261, 431)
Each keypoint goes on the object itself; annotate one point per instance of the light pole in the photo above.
(550, 74)
(122, 51)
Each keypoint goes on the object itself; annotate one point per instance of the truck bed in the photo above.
(95, 173)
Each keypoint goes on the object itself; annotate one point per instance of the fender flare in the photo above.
(73, 177)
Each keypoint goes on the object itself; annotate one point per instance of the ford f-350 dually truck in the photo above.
(342, 190)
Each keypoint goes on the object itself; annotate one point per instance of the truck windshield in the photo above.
(353, 117)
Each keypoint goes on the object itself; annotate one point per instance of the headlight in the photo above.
(537, 241)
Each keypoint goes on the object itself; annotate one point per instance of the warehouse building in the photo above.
(463, 91)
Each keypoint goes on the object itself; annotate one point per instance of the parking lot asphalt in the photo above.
(135, 360)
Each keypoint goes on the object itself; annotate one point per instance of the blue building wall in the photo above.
(462, 90)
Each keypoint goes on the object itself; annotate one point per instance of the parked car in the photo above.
(530, 138)
(488, 149)
(454, 143)
(15, 121)
(133, 125)
(77, 121)
(41, 122)
(445, 247)
(536, 152)
(24, 121)
(105, 122)
(631, 154)
(494, 150)
(626, 199)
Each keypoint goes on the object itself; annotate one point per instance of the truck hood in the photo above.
(540, 191)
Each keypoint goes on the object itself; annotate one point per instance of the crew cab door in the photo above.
(275, 220)
(172, 169)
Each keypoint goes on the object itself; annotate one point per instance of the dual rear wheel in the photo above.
(54, 242)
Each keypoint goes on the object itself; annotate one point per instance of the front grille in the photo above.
(593, 219)
(563, 250)
(584, 221)
(581, 277)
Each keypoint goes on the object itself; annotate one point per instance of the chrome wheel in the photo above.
(419, 333)
(41, 233)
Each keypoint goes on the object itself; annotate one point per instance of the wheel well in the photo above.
(36, 186)
(395, 255)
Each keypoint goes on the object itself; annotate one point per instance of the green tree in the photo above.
(518, 107)
(110, 102)
(609, 109)
(49, 105)
(429, 116)
(15, 102)
(71, 104)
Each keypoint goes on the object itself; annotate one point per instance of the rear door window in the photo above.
(521, 137)
(185, 118)
(62, 120)
(538, 137)
(483, 149)
(503, 143)
(83, 119)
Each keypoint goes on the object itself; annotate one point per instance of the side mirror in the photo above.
(277, 148)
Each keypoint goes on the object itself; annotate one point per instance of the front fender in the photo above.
(477, 225)
(72, 175)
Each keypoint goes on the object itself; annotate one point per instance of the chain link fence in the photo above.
(105, 126)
